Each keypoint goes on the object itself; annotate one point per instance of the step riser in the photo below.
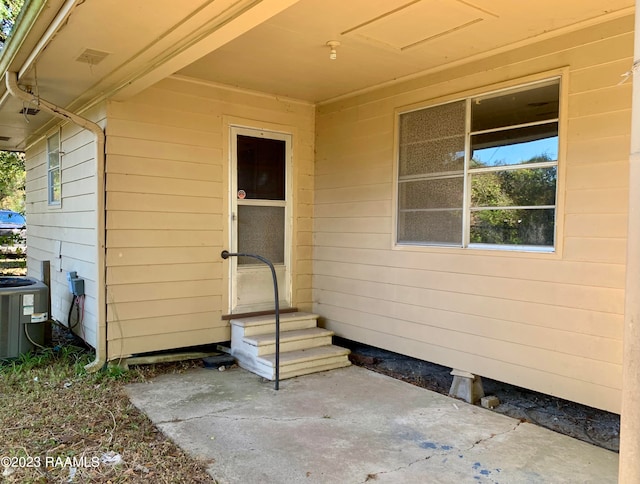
(316, 369)
(269, 373)
(253, 345)
(292, 368)
(301, 344)
(239, 339)
(271, 327)
(238, 333)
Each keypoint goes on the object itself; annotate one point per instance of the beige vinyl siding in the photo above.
(69, 226)
(167, 215)
(549, 322)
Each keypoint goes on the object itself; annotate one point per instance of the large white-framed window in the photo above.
(54, 178)
(481, 172)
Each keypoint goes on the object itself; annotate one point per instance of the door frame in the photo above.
(259, 130)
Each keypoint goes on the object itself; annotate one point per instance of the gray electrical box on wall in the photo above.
(76, 284)
(23, 312)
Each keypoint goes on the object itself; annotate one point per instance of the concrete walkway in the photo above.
(355, 426)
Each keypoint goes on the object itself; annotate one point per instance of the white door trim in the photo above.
(259, 271)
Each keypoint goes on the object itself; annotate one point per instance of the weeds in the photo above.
(52, 411)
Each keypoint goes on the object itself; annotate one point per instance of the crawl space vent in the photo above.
(93, 57)
(5, 138)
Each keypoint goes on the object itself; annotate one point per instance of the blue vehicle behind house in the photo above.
(13, 227)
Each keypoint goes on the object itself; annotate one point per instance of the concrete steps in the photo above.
(304, 348)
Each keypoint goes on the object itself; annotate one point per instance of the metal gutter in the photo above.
(29, 14)
(58, 21)
(14, 90)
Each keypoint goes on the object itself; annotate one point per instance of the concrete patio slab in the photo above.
(355, 426)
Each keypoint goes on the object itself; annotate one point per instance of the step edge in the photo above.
(284, 338)
(337, 351)
(296, 373)
(266, 320)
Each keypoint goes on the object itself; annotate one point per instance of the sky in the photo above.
(517, 153)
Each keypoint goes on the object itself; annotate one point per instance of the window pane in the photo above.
(261, 232)
(432, 193)
(442, 155)
(261, 168)
(518, 106)
(513, 227)
(515, 146)
(432, 142)
(521, 187)
(53, 143)
(53, 155)
(53, 150)
(433, 123)
(54, 186)
(440, 227)
(431, 185)
(54, 160)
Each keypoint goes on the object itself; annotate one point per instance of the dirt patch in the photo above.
(61, 424)
(588, 424)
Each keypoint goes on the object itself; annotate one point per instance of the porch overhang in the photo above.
(280, 47)
(76, 54)
(273, 46)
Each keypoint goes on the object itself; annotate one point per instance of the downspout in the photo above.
(14, 90)
(629, 466)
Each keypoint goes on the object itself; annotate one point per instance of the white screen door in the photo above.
(260, 214)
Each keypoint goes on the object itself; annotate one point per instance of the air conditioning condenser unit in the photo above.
(23, 312)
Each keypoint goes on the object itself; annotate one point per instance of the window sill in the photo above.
(515, 248)
(488, 250)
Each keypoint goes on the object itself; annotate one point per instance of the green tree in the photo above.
(12, 181)
(514, 188)
(490, 226)
(9, 11)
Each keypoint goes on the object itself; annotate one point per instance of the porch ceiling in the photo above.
(382, 40)
(79, 52)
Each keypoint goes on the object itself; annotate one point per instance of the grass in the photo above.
(12, 265)
(51, 409)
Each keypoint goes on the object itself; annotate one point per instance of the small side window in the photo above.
(54, 181)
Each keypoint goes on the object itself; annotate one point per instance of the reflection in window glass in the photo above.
(515, 146)
(532, 227)
(54, 178)
(505, 188)
(261, 168)
(56, 186)
(507, 194)
(529, 104)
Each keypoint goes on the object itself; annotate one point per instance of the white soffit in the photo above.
(98, 52)
(384, 40)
